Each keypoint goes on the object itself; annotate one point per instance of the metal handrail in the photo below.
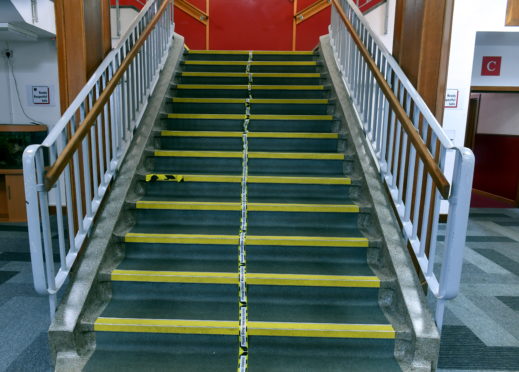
(67, 176)
(73, 144)
(429, 162)
(410, 148)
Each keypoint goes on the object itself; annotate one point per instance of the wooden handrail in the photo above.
(421, 149)
(53, 173)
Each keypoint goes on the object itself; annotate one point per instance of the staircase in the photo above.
(248, 241)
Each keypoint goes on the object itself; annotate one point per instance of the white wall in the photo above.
(470, 16)
(45, 12)
(35, 64)
(377, 21)
(505, 45)
(499, 114)
(127, 17)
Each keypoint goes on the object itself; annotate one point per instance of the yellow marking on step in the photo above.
(250, 179)
(288, 75)
(291, 117)
(278, 207)
(253, 87)
(252, 63)
(189, 205)
(292, 135)
(296, 155)
(300, 180)
(385, 331)
(215, 74)
(289, 101)
(208, 116)
(247, 52)
(198, 133)
(193, 178)
(252, 100)
(206, 327)
(174, 277)
(207, 100)
(306, 241)
(181, 238)
(199, 154)
(206, 86)
(288, 87)
(314, 280)
(254, 74)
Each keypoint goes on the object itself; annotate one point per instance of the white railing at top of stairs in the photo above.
(67, 176)
(410, 148)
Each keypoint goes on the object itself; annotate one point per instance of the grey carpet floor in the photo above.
(481, 331)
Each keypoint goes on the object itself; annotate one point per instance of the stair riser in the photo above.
(296, 167)
(155, 218)
(255, 108)
(180, 165)
(253, 68)
(232, 80)
(228, 191)
(255, 144)
(245, 57)
(258, 192)
(305, 126)
(255, 93)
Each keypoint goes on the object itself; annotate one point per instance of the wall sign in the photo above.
(491, 66)
(40, 95)
(452, 98)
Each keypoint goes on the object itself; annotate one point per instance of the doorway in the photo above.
(493, 134)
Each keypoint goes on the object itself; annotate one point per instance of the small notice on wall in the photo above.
(452, 98)
(41, 95)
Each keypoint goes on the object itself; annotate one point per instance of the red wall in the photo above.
(497, 164)
(252, 25)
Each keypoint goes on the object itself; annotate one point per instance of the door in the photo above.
(15, 198)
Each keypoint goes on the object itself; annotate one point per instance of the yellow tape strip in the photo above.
(278, 207)
(384, 331)
(288, 87)
(291, 117)
(208, 116)
(293, 135)
(194, 206)
(193, 178)
(287, 75)
(252, 100)
(207, 100)
(197, 133)
(174, 277)
(300, 180)
(215, 74)
(253, 87)
(289, 101)
(306, 241)
(199, 154)
(314, 280)
(208, 327)
(253, 63)
(254, 74)
(181, 238)
(261, 52)
(295, 155)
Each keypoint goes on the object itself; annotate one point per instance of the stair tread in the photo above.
(251, 206)
(233, 134)
(151, 177)
(254, 328)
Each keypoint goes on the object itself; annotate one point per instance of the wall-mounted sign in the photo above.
(491, 66)
(452, 98)
(40, 95)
